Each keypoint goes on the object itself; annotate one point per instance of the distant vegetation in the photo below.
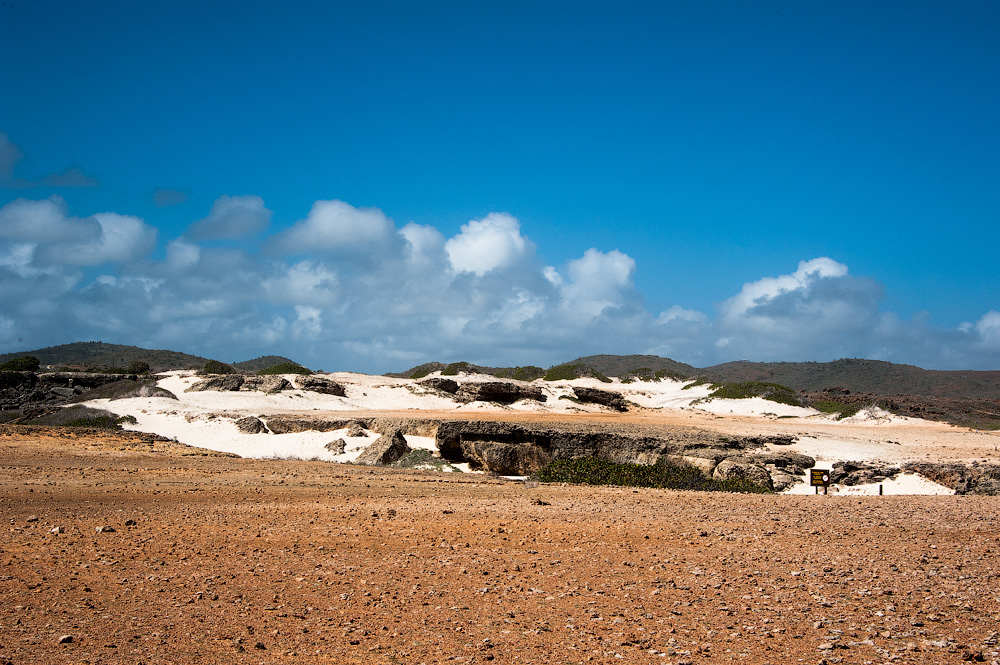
(455, 368)
(22, 364)
(82, 416)
(832, 407)
(663, 474)
(284, 368)
(216, 367)
(527, 373)
(770, 391)
(263, 362)
(568, 372)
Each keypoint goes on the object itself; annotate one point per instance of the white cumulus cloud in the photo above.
(335, 225)
(483, 245)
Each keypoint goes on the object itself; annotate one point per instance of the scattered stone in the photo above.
(57, 529)
(105, 529)
(65, 639)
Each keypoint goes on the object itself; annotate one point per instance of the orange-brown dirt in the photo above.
(215, 559)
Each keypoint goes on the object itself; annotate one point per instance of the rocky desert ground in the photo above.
(130, 549)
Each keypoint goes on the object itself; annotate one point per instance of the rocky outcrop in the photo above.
(337, 447)
(504, 392)
(440, 383)
(519, 449)
(250, 425)
(234, 382)
(607, 398)
(319, 385)
(266, 384)
(293, 424)
(976, 478)
(384, 450)
(861, 473)
(32, 391)
(222, 383)
(736, 469)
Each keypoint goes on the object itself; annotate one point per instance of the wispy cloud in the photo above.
(346, 287)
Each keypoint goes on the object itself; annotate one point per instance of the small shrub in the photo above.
(663, 474)
(22, 364)
(284, 368)
(420, 373)
(700, 381)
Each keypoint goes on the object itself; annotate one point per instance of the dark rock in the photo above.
(317, 385)
(337, 447)
(250, 425)
(385, 450)
(606, 398)
(267, 384)
(861, 473)
(440, 383)
(223, 382)
(505, 392)
(291, 424)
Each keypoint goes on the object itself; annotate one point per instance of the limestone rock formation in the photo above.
(732, 469)
(505, 392)
(319, 385)
(384, 450)
(440, 383)
(337, 447)
(607, 398)
(250, 425)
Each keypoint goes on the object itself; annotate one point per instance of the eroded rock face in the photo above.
(319, 385)
(222, 383)
(861, 473)
(234, 382)
(384, 450)
(292, 424)
(977, 478)
(607, 398)
(517, 449)
(732, 469)
(440, 383)
(505, 392)
(250, 425)
(266, 384)
(337, 447)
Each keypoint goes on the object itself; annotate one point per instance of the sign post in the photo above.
(820, 478)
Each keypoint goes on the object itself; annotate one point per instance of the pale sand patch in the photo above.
(907, 483)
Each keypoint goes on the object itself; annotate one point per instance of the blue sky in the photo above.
(368, 186)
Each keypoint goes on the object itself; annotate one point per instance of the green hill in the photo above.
(864, 376)
(103, 355)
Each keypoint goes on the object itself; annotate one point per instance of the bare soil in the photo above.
(215, 559)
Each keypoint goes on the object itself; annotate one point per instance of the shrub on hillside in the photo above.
(773, 392)
(454, 368)
(284, 368)
(22, 364)
(215, 367)
(568, 372)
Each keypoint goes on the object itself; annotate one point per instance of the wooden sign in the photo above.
(819, 477)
